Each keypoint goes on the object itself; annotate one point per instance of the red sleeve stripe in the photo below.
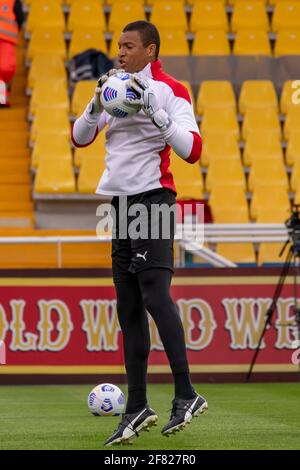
(178, 88)
(196, 149)
(85, 145)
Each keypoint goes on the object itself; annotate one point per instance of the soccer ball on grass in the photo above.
(106, 400)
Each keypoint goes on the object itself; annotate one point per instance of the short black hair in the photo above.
(148, 32)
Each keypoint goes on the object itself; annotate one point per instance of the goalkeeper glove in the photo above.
(148, 101)
(95, 105)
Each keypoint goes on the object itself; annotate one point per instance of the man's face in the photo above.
(133, 56)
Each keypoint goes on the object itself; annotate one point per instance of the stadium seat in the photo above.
(292, 122)
(240, 253)
(83, 39)
(274, 2)
(49, 94)
(83, 93)
(210, 43)
(249, 15)
(287, 43)
(257, 94)
(93, 151)
(263, 119)
(47, 42)
(225, 147)
(295, 178)
(173, 43)
(169, 14)
(44, 15)
(209, 15)
(88, 14)
(187, 85)
(57, 146)
(272, 215)
(125, 12)
(286, 16)
(290, 95)
(236, 215)
(91, 169)
(262, 145)
(269, 253)
(224, 120)
(188, 178)
(215, 94)
(297, 194)
(236, 2)
(293, 148)
(269, 198)
(54, 176)
(225, 173)
(46, 67)
(229, 204)
(52, 121)
(252, 43)
(264, 174)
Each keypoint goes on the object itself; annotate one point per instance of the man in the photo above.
(11, 19)
(137, 168)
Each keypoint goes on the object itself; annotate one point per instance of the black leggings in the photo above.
(149, 290)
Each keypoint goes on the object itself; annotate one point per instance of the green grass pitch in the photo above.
(240, 416)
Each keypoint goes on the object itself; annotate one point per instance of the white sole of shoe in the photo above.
(130, 436)
(181, 426)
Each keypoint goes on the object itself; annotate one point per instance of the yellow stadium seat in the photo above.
(187, 178)
(297, 194)
(290, 96)
(227, 199)
(54, 176)
(286, 16)
(287, 43)
(220, 120)
(236, 2)
(51, 122)
(269, 198)
(195, 2)
(261, 145)
(241, 253)
(272, 215)
(57, 146)
(264, 119)
(187, 85)
(125, 12)
(292, 122)
(91, 170)
(211, 43)
(237, 215)
(295, 178)
(44, 15)
(47, 42)
(169, 14)
(263, 174)
(257, 94)
(215, 94)
(49, 94)
(293, 148)
(252, 43)
(225, 147)
(209, 15)
(83, 93)
(173, 43)
(83, 39)
(274, 2)
(269, 253)
(249, 15)
(31, 2)
(93, 151)
(88, 14)
(46, 67)
(225, 173)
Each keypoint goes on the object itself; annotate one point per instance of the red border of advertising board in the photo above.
(64, 323)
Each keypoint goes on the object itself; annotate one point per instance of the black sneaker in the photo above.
(131, 425)
(183, 411)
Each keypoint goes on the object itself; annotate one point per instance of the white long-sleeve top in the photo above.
(137, 152)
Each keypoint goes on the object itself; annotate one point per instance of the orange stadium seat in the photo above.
(211, 43)
(169, 14)
(252, 43)
(88, 13)
(209, 15)
(249, 15)
(257, 94)
(215, 94)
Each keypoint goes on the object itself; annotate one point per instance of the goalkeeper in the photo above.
(137, 172)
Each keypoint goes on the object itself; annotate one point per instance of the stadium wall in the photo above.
(60, 326)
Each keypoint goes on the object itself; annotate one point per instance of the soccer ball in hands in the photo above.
(106, 400)
(114, 91)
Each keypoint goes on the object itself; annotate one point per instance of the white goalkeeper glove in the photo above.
(146, 98)
(95, 105)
